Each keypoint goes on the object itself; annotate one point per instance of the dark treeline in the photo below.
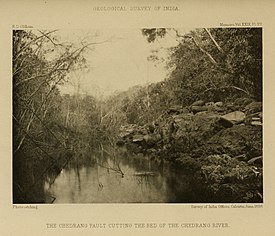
(217, 65)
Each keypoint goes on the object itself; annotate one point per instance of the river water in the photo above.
(120, 177)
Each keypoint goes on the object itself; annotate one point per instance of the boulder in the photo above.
(198, 103)
(225, 122)
(238, 140)
(218, 109)
(256, 123)
(234, 117)
(195, 130)
(183, 120)
(219, 104)
(209, 104)
(196, 109)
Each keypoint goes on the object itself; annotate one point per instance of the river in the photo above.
(120, 177)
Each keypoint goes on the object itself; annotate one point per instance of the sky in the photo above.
(118, 63)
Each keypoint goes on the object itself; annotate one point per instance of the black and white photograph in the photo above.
(137, 115)
(137, 118)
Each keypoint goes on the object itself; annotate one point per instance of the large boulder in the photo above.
(235, 141)
(225, 122)
(195, 130)
(235, 117)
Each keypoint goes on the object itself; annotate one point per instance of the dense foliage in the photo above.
(46, 125)
(213, 65)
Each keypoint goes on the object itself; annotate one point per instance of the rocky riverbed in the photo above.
(219, 143)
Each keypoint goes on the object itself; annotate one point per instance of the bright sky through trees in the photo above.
(118, 63)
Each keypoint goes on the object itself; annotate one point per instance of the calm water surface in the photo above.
(119, 178)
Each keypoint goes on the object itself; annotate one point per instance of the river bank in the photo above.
(219, 144)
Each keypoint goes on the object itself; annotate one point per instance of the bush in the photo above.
(231, 180)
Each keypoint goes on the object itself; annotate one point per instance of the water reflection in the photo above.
(109, 181)
(120, 178)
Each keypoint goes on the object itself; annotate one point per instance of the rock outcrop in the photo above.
(219, 144)
(207, 131)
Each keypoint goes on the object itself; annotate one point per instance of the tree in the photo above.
(40, 64)
(215, 60)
